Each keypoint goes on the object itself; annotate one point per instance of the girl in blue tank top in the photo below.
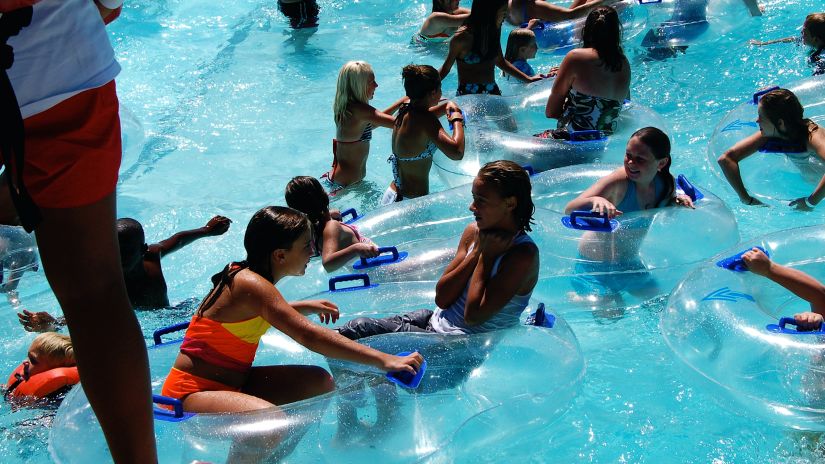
(644, 182)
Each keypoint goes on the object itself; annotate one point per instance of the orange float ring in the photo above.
(40, 385)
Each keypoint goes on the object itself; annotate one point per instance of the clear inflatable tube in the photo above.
(716, 323)
(644, 256)
(773, 175)
(681, 23)
(502, 128)
(19, 263)
(563, 36)
(454, 399)
(131, 137)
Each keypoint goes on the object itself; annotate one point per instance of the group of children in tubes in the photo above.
(495, 266)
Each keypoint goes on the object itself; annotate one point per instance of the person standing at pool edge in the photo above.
(65, 121)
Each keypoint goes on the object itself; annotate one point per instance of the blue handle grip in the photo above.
(165, 400)
(365, 262)
(690, 190)
(586, 135)
(791, 321)
(167, 330)
(649, 2)
(530, 171)
(589, 220)
(347, 278)
(759, 94)
(348, 212)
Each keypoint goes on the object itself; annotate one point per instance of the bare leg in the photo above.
(81, 260)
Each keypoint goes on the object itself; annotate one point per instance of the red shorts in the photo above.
(73, 150)
(180, 384)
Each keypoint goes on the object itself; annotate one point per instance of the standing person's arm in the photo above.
(508, 68)
(561, 85)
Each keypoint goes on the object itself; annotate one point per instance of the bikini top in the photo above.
(393, 160)
(366, 136)
(230, 345)
(471, 58)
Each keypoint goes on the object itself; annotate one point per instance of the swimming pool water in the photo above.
(234, 104)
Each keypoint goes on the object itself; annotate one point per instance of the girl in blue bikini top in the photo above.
(417, 133)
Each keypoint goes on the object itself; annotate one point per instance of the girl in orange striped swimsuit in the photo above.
(214, 372)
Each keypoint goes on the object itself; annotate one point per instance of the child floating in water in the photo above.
(336, 242)
(801, 284)
(142, 271)
(442, 23)
(48, 372)
(813, 35)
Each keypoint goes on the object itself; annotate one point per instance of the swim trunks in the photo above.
(73, 150)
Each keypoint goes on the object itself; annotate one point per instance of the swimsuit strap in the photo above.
(394, 160)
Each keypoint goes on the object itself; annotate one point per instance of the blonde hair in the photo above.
(518, 38)
(353, 83)
(56, 346)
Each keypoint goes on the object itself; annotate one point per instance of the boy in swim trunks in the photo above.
(301, 13)
(142, 271)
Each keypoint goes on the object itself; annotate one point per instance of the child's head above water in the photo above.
(420, 81)
(603, 31)
(356, 83)
(305, 194)
(276, 228)
(782, 115)
(521, 45)
(50, 350)
(813, 31)
(511, 184)
(132, 242)
(647, 156)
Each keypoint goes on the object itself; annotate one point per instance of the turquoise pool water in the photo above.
(233, 104)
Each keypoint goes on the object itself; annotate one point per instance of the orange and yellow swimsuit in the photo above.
(229, 345)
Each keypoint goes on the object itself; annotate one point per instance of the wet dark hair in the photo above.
(271, 228)
(603, 31)
(783, 104)
(420, 80)
(438, 6)
(130, 238)
(482, 24)
(815, 24)
(659, 144)
(306, 194)
(511, 180)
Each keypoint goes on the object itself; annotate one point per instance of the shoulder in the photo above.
(361, 110)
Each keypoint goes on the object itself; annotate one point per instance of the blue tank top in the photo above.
(451, 320)
(630, 202)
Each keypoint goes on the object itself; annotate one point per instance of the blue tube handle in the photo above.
(759, 94)
(780, 328)
(349, 212)
(381, 250)
(589, 214)
(530, 171)
(583, 134)
(649, 2)
(165, 400)
(167, 330)
(347, 278)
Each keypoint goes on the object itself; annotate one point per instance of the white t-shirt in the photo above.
(63, 52)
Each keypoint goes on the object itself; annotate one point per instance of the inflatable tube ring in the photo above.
(736, 263)
(40, 385)
(404, 378)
